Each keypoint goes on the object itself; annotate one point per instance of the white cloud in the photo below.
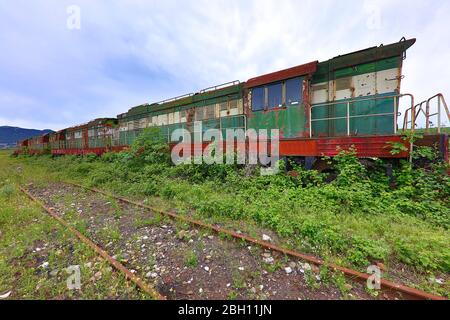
(132, 52)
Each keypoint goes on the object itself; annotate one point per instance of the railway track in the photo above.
(386, 285)
(116, 264)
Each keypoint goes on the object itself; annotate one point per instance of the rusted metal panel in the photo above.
(366, 147)
(376, 147)
(297, 71)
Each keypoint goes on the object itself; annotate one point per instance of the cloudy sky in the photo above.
(131, 52)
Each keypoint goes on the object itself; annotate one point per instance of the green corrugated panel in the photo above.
(379, 125)
(385, 64)
(290, 121)
(322, 71)
(99, 142)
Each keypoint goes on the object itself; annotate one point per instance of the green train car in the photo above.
(219, 107)
(351, 100)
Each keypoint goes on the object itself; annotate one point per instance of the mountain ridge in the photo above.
(9, 135)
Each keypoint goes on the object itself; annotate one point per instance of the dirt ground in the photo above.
(184, 262)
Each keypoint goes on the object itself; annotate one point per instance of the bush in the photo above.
(361, 216)
(7, 190)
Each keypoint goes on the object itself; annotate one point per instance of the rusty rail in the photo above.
(385, 284)
(116, 264)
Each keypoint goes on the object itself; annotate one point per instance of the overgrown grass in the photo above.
(360, 218)
(35, 251)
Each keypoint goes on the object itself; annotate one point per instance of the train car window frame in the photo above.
(258, 93)
(170, 116)
(199, 114)
(183, 116)
(298, 99)
(210, 112)
(273, 96)
(224, 108)
(176, 117)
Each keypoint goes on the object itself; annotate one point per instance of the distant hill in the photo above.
(10, 135)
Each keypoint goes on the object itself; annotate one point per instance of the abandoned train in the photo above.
(349, 100)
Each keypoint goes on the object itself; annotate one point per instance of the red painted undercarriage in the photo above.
(366, 147)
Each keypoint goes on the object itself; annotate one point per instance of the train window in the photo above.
(234, 107)
(240, 107)
(183, 116)
(199, 114)
(275, 97)
(176, 117)
(162, 119)
(210, 112)
(223, 106)
(258, 99)
(293, 91)
(217, 110)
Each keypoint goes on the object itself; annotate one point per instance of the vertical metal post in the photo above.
(395, 115)
(310, 121)
(348, 118)
(413, 127)
(439, 114)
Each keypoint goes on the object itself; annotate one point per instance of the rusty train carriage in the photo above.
(349, 100)
(95, 137)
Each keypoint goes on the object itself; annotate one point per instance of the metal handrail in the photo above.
(176, 98)
(220, 86)
(416, 115)
(426, 112)
(441, 99)
(348, 116)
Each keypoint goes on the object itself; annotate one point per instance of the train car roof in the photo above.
(338, 62)
(301, 70)
(225, 89)
(90, 123)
